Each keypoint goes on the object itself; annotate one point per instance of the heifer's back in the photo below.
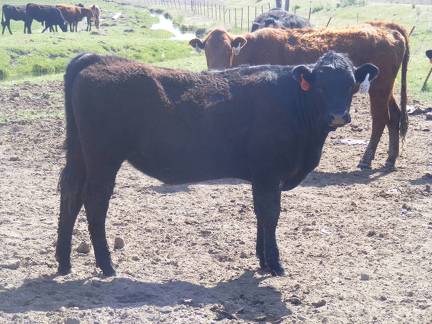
(282, 46)
(14, 12)
(179, 126)
(279, 18)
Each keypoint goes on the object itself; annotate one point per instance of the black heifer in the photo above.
(429, 54)
(49, 15)
(9, 13)
(264, 124)
(278, 18)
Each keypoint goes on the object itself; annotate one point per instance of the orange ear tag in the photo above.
(305, 86)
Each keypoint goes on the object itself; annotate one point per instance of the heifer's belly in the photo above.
(176, 162)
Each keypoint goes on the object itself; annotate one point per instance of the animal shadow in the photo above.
(323, 179)
(239, 298)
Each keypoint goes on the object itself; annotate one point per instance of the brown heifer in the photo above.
(92, 14)
(383, 44)
(74, 14)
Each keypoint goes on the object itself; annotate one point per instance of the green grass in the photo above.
(24, 56)
(44, 56)
(348, 15)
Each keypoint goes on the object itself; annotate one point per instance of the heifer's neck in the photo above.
(312, 131)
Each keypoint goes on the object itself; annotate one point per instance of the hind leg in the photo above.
(393, 127)
(97, 193)
(71, 184)
(380, 118)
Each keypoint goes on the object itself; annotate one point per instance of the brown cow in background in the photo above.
(74, 14)
(383, 44)
(94, 17)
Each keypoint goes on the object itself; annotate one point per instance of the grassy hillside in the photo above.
(24, 56)
(342, 13)
(29, 56)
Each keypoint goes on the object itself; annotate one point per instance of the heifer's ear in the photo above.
(237, 44)
(197, 44)
(303, 75)
(429, 54)
(255, 26)
(364, 75)
(269, 22)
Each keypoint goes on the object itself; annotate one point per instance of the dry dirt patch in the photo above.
(356, 245)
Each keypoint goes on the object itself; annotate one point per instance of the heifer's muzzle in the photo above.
(339, 120)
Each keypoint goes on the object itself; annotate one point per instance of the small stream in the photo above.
(167, 24)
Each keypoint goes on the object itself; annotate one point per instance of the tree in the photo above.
(278, 4)
(287, 3)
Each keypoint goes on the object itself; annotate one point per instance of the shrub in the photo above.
(317, 9)
(348, 3)
(3, 74)
(38, 70)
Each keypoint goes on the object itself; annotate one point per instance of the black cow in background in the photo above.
(50, 16)
(429, 55)
(263, 124)
(278, 18)
(9, 13)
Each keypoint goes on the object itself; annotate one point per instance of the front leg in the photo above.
(267, 196)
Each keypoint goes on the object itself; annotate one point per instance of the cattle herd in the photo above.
(261, 113)
(50, 16)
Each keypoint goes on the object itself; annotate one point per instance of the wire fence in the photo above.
(239, 18)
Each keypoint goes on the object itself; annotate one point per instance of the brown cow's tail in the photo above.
(73, 175)
(403, 101)
(403, 124)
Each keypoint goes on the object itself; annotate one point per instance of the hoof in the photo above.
(109, 272)
(389, 166)
(364, 166)
(277, 271)
(63, 270)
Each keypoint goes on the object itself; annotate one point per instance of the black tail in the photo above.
(2, 20)
(74, 171)
(404, 118)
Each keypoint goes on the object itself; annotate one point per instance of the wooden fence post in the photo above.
(235, 17)
(241, 20)
(248, 19)
(411, 31)
(426, 80)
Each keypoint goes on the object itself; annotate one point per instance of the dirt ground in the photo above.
(356, 245)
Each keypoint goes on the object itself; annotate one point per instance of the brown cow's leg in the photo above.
(379, 112)
(97, 193)
(393, 127)
(267, 197)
